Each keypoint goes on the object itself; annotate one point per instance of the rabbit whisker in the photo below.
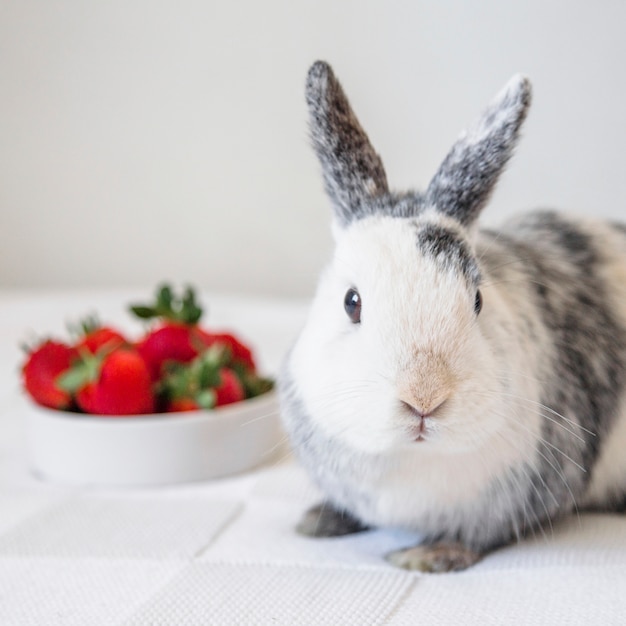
(549, 418)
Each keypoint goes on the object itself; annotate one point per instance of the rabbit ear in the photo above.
(353, 172)
(468, 174)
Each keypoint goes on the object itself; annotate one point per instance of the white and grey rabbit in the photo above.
(463, 383)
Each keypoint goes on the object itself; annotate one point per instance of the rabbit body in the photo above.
(463, 383)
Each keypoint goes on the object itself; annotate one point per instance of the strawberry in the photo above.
(92, 335)
(105, 336)
(229, 389)
(171, 341)
(180, 338)
(182, 405)
(43, 367)
(239, 353)
(177, 338)
(176, 366)
(202, 383)
(112, 383)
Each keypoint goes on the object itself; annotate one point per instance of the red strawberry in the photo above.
(202, 383)
(170, 342)
(182, 404)
(40, 373)
(180, 338)
(100, 337)
(229, 389)
(121, 385)
(92, 335)
(85, 398)
(239, 353)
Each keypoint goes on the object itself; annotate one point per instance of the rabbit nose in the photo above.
(425, 384)
(423, 410)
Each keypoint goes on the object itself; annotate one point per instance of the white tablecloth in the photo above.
(224, 552)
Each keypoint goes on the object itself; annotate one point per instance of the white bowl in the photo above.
(159, 449)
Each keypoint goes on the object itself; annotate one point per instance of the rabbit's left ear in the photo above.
(468, 174)
(353, 172)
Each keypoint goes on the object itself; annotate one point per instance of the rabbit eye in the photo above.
(478, 303)
(352, 305)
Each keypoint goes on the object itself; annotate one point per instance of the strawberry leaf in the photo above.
(171, 307)
(82, 371)
(90, 324)
(72, 380)
(83, 327)
(207, 374)
(256, 385)
(164, 299)
(190, 311)
(144, 312)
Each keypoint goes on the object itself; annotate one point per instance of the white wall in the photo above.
(144, 140)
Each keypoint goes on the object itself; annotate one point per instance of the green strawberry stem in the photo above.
(193, 380)
(169, 306)
(84, 370)
(84, 326)
(199, 378)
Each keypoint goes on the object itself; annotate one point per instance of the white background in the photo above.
(145, 140)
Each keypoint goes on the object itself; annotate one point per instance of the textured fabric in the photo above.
(121, 527)
(77, 592)
(265, 594)
(225, 551)
(559, 596)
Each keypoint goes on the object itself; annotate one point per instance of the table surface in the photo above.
(225, 552)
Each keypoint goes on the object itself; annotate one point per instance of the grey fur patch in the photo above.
(354, 176)
(353, 172)
(401, 205)
(586, 377)
(468, 174)
(449, 250)
(323, 520)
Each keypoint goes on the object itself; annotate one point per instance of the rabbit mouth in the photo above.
(418, 427)
(420, 430)
(421, 424)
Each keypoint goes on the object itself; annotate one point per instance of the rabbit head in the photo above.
(394, 349)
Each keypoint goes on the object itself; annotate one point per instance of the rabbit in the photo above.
(467, 384)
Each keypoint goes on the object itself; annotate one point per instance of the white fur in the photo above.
(418, 320)
(425, 415)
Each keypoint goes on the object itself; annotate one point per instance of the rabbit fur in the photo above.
(479, 393)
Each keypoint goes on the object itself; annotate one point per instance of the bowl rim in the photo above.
(157, 449)
(216, 413)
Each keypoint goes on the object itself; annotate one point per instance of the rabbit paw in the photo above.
(324, 521)
(435, 558)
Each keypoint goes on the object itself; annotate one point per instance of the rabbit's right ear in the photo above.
(353, 172)
(470, 171)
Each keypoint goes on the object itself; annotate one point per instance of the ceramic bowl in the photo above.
(159, 449)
